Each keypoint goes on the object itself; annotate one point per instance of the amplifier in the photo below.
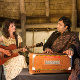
(49, 63)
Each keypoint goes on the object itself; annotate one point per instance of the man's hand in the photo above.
(69, 52)
(48, 51)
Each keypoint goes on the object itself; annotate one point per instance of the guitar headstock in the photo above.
(39, 44)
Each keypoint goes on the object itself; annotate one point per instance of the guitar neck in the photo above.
(17, 50)
(20, 49)
(31, 46)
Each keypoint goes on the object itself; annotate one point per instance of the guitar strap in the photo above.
(16, 37)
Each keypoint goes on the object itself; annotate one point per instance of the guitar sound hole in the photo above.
(5, 56)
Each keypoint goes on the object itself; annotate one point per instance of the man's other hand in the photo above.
(69, 52)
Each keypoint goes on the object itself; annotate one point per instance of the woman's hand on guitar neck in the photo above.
(24, 49)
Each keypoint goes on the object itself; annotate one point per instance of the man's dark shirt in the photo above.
(52, 38)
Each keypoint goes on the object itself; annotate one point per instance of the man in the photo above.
(63, 40)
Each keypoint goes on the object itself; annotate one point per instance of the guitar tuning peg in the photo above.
(39, 44)
(42, 43)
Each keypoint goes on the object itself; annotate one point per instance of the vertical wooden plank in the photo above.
(74, 15)
(23, 21)
(47, 10)
(33, 39)
(47, 7)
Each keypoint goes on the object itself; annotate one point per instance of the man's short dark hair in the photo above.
(66, 21)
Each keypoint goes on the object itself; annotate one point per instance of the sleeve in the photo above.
(2, 37)
(48, 44)
(75, 44)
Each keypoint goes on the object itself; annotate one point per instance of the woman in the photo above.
(14, 65)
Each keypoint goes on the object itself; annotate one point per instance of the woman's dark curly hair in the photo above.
(5, 27)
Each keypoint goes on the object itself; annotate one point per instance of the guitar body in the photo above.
(13, 48)
(3, 59)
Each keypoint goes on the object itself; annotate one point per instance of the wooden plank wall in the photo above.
(9, 9)
(60, 8)
(78, 8)
(36, 10)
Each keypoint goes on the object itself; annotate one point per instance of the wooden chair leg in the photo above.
(2, 73)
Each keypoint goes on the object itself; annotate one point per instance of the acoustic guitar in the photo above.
(14, 51)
